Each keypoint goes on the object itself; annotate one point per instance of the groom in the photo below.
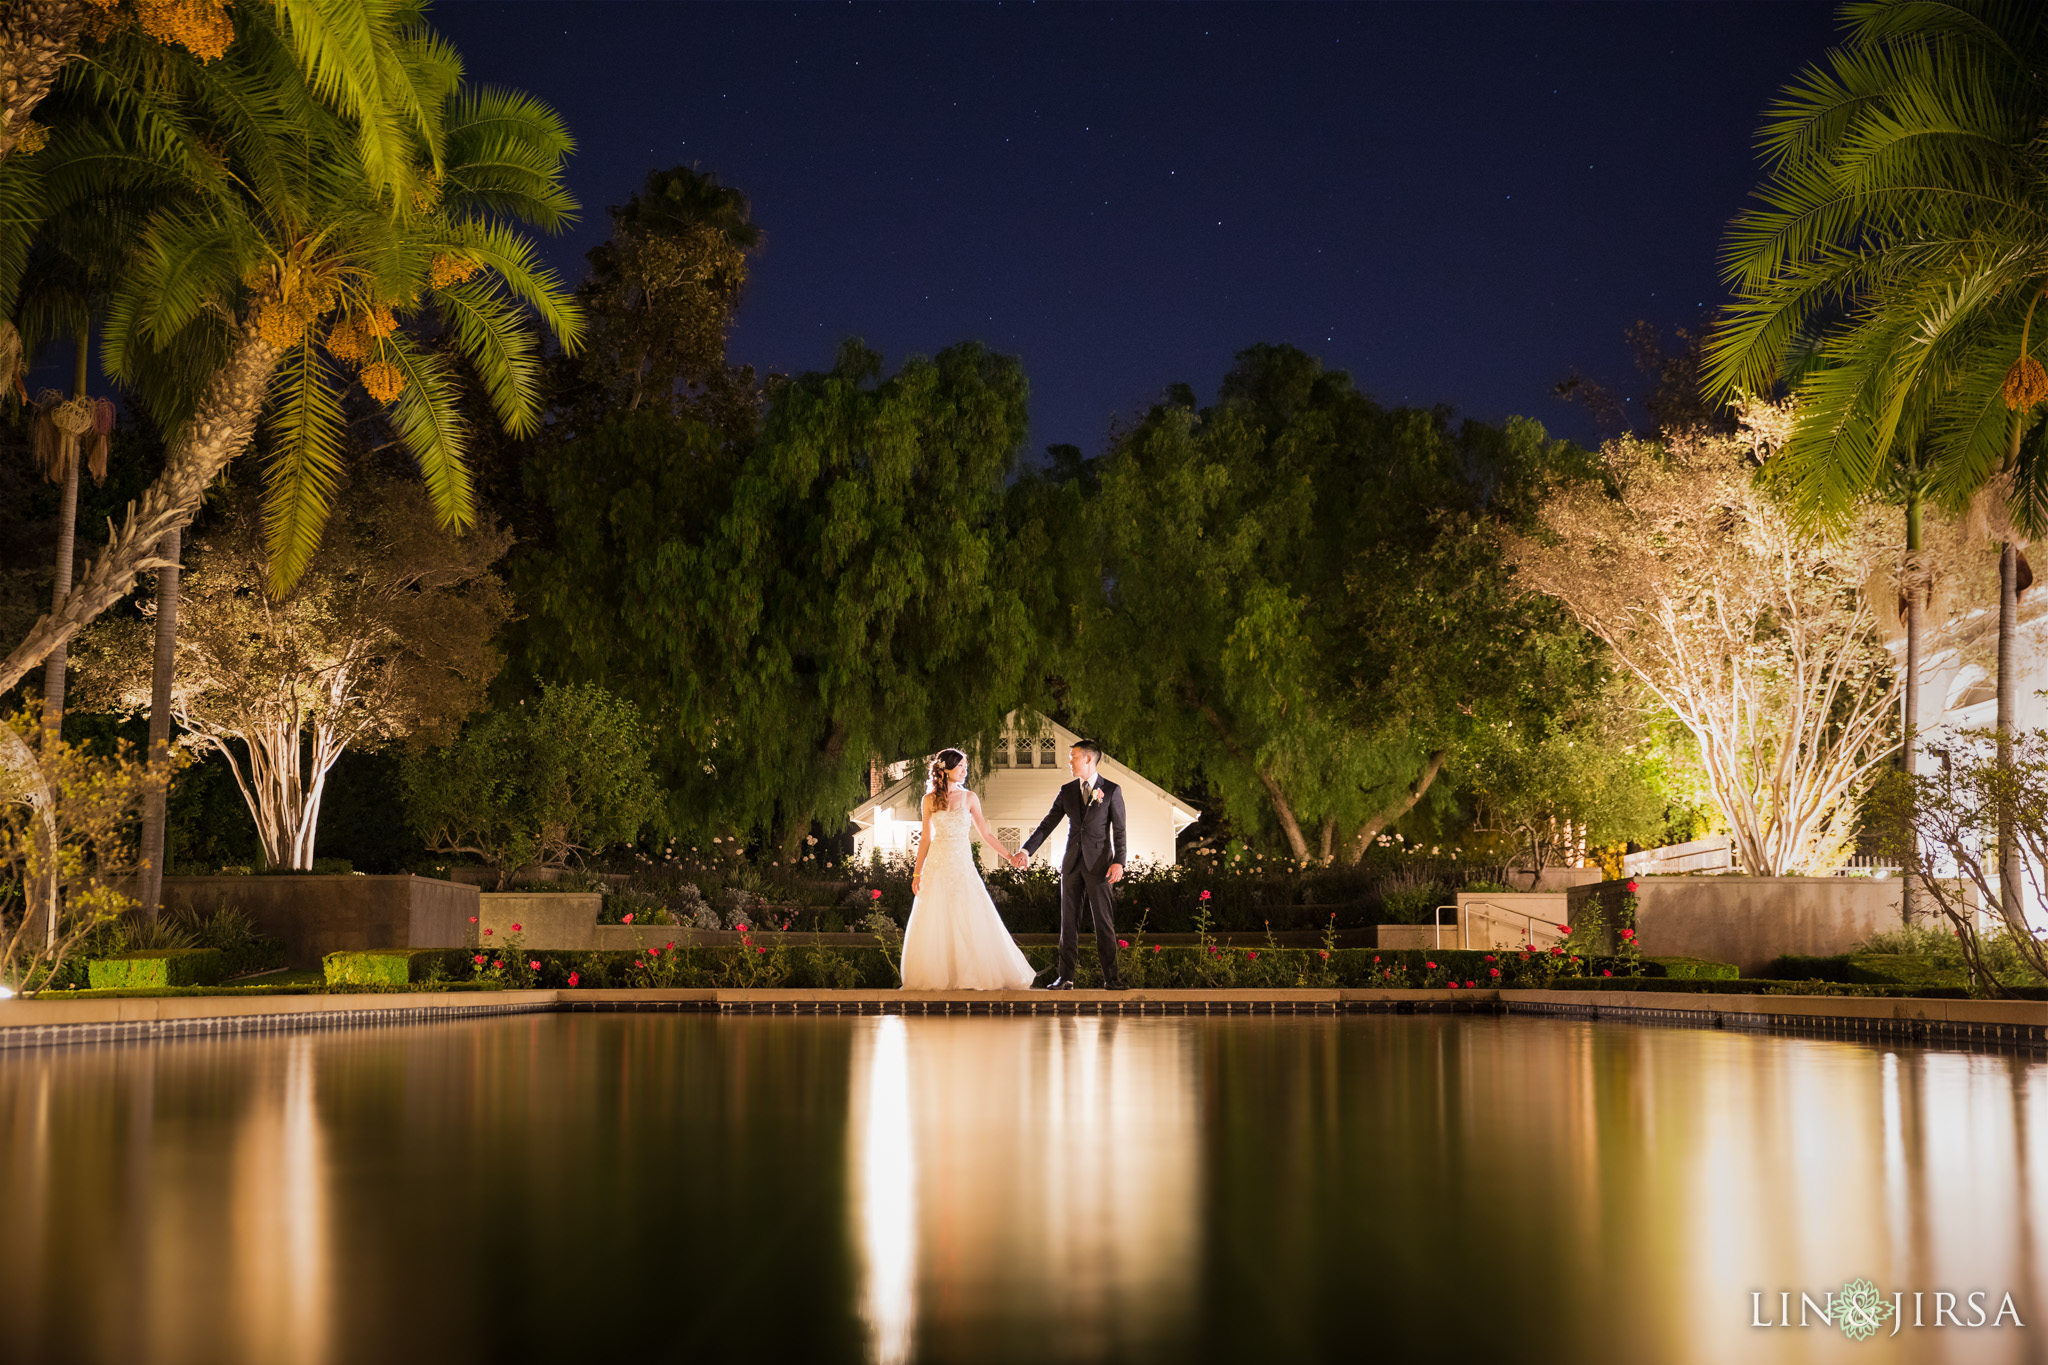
(1094, 810)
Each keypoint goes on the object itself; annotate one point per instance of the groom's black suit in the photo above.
(1095, 839)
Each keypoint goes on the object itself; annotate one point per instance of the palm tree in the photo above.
(1902, 236)
(264, 283)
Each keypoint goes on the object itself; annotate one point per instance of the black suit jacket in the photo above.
(1095, 830)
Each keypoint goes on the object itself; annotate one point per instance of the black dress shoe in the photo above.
(1060, 983)
(1116, 986)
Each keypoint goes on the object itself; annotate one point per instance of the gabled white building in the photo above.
(1027, 771)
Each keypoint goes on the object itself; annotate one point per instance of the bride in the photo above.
(955, 939)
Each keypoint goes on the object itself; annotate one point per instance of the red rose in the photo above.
(1454, 985)
(874, 895)
(472, 919)
(1607, 973)
(760, 950)
(1205, 895)
(1430, 965)
(1564, 928)
(670, 944)
(498, 963)
(1631, 885)
(573, 979)
(639, 963)
(654, 952)
(534, 965)
(518, 928)
(1156, 947)
(487, 930)
(1468, 983)
(1493, 971)
(479, 959)
(742, 929)
(1123, 943)
(626, 918)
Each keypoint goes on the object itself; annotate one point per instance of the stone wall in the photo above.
(1749, 920)
(317, 915)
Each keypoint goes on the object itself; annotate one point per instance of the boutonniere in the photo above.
(1090, 794)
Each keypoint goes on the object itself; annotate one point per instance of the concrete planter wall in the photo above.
(320, 915)
(1748, 920)
(1486, 920)
(563, 920)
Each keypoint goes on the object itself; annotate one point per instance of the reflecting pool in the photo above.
(695, 1187)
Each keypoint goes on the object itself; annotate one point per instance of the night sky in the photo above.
(1457, 203)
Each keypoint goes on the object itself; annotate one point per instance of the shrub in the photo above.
(392, 966)
(159, 967)
(1695, 969)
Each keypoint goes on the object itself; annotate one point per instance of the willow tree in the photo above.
(1294, 594)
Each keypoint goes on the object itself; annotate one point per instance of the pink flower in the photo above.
(498, 962)
(472, 919)
(626, 918)
(760, 950)
(534, 965)
(1468, 983)
(742, 929)
(1375, 958)
(1628, 933)
(487, 930)
(1205, 895)
(1607, 973)
(670, 944)
(1430, 965)
(654, 952)
(1249, 953)
(1156, 947)
(1123, 943)
(1323, 953)
(639, 963)
(518, 928)
(574, 977)
(1564, 928)
(1493, 971)
(1489, 957)
(874, 895)
(1454, 985)
(479, 959)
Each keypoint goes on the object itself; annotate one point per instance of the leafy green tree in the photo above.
(842, 587)
(385, 637)
(537, 782)
(1297, 598)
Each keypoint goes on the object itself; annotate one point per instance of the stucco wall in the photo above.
(1750, 920)
(320, 915)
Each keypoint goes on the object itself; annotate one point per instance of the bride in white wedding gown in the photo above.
(955, 940)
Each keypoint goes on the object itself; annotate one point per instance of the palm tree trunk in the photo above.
(162, 672)
(36, 38)
(2008, 627)
(1915, 597)
(67, 543)
(218, 430)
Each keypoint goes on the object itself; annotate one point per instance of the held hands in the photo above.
(1116, 873)
(1020, 860)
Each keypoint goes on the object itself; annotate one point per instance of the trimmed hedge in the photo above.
(392, 966)
(159, 967)
(1694, 969)
(1763, 986)
(254, 955)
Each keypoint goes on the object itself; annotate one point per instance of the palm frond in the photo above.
(499, 344)
(304, 465)
(429, 422)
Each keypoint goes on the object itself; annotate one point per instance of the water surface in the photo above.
(662, 1187)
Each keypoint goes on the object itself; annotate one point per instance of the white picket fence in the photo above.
(1718, 853)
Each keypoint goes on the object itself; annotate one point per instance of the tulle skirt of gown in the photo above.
(955, 940)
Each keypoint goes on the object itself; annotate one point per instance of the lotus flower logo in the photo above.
(1860, 1310)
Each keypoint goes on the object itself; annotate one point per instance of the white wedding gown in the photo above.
(955, 940)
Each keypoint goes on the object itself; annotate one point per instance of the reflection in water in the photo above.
(885, 1160)
(1026, 1188)
(654, 1188)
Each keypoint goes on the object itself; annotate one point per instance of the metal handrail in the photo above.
(1464, 937)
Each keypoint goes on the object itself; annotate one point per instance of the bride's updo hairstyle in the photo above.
(943, 762)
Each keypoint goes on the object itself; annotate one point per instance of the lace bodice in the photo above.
(951, 828)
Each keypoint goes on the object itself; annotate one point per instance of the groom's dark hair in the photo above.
(1088, 747)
